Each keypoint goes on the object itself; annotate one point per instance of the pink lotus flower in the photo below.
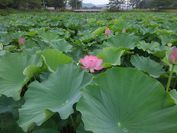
(21, 41)
(173, 56)
(108, 31)
(91, 63)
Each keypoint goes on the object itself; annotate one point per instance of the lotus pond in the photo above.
(88, 73)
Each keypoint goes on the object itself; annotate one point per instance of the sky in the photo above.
(96, 1)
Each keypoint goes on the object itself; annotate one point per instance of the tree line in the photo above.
(76, 4)
(32, 4)
(156, 4)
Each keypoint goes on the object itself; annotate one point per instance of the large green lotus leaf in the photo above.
(73, 25)
(120, 25)
(49, 36)
(61, 45)
(154, 48)
(98, 31)
(123, 40)
(173, 94)
(53, 58)
(166, 36)
(111, 56)
(6, 38)
(87, 37)
(125, 100)
(56, 94)
(147, 65)
(12, 78)
(53, 39)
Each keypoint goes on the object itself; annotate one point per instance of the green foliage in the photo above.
(9, 115)
(5, 3)
(123, 40)
(111, 56)
(12, 79)
(53, 58)
(32, 4)
(57, 94)
(20, 4)
(116, 4)
(56, 3)
(126, 100)
(157, 4)
(75, 4)
(44, 88)
(146, 64)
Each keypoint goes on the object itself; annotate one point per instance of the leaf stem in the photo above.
(169, 79)
(72, 121)
(175, 83)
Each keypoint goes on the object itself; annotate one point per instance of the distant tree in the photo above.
(75, 4)
(174, 5)
(34, 4)
(115, 4)
(162, 3)
(157, 4)
(60, 4)
(135, 3)
(18, 4)
(5, 3)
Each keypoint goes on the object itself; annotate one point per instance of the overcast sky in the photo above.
(96, 1)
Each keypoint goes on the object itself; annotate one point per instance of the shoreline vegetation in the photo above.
(11, 11)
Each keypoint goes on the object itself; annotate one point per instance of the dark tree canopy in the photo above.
(61, 4)
(30, 4)
(75, 4)
(115, 4)
(20, 3)
(157, 3)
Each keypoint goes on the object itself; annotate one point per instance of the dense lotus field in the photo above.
(88, 73)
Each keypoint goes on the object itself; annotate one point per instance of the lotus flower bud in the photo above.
(173, 56)
(21, 41)
(108, 31)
